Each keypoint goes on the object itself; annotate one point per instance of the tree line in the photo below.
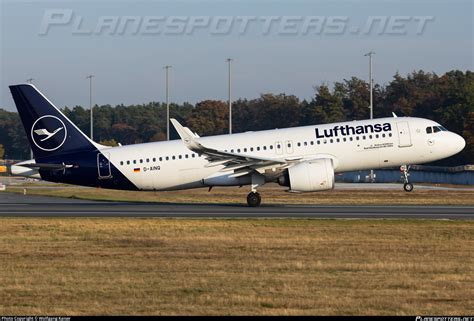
(447, 99)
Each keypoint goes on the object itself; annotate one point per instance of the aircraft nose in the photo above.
(458, 143)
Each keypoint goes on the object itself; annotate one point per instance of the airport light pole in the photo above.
(90, 104)
(167, 103)
(229, 61)
(371, 79)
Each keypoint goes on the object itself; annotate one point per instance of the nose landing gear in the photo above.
(407, 186)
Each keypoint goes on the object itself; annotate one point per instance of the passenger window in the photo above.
(299, 144)
(271, 146)
(278, 146)
(238, 150)
(245, 150)
(134, 161)
(180, 157)
(161, 158)
(186, 156)
(258, 148)
(331, 140)
(251, 149)
(338, 140)
(319, 142)
(167, 158)
(147, 160)
(141, 161)
(357, 137)
(345, 139)
(121, 163)
(264, 147)
(128, 162)
(390, 135)
(193, 155)
(351, 139)
(383, 135)
(312, 143)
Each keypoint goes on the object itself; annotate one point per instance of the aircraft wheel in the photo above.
(254, 199)
(408, 187)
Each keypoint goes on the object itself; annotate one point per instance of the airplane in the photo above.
(303, 159)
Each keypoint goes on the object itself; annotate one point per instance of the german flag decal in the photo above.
(136, 170)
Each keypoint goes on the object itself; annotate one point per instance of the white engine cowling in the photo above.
(312, 176)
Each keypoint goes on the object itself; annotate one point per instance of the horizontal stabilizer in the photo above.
(50, 167)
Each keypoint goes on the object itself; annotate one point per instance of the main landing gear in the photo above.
(407, 186)
(254, 199)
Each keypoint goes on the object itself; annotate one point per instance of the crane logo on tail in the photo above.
(48, 133)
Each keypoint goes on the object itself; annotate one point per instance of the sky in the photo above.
(287, 46)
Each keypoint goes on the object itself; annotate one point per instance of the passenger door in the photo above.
(103, 166)
(404, 137)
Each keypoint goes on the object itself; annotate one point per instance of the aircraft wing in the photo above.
(241, 164)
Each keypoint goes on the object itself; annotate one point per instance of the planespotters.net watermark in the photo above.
(228, 25)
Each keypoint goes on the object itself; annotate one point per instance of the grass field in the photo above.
(271, 194)
(166, 266)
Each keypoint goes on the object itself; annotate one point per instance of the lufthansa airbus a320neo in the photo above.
(305, 159)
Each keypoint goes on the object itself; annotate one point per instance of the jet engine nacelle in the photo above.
(311, 176)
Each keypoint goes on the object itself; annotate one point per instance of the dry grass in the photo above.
(165, 266)
(271, 193)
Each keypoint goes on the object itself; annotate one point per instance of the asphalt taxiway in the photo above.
(17, 205)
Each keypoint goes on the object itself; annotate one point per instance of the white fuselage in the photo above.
(171, 165)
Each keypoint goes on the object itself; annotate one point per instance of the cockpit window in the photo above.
(435, 129)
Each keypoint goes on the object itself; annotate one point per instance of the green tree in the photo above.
(210, 117)
(325, 107)
(109, 142)
(275, 111)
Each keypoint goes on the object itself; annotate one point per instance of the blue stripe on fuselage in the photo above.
(84, 172)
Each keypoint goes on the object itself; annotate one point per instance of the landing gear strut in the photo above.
(407, 186)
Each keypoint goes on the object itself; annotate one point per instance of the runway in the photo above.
(16, 205)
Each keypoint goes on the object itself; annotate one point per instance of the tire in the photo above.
(254, 199)
(408, 187)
